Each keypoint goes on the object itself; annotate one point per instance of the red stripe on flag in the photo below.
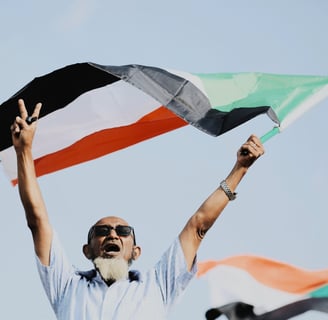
(109, 140)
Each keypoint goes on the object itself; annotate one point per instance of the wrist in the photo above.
(24, 152)
(240, 168)
(226, 189)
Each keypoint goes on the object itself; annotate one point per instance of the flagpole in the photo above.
(269, 134)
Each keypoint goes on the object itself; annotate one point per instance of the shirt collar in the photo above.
(134, 275)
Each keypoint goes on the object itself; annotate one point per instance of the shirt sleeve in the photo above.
(172, 273)
(55, 277)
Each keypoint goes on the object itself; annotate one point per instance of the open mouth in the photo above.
(111, 247)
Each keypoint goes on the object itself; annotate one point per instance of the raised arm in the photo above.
(29, 190)
(197, 226)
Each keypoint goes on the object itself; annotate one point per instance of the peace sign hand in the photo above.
(24, 126)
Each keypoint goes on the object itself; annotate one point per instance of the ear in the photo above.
(86, 251)
(136, 252)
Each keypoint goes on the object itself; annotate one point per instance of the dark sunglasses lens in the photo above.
(123, 231)
(101, 231)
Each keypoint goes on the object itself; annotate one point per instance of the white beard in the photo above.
(112, 269)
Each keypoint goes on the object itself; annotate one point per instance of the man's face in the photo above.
(112, 245)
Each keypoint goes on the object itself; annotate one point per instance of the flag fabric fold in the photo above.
(253, 287)
(90, 110)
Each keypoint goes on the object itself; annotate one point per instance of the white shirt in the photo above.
(74, 296)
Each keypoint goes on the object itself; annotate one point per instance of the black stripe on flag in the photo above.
(60, 87)
(55, 90)
(185, 99)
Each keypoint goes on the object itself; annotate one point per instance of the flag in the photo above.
(253, 287)
(90, 110)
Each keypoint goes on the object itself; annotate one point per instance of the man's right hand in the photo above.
(22, 132)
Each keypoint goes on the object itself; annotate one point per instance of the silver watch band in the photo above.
(231, 195)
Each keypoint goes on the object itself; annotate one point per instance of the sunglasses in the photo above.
(105, 230)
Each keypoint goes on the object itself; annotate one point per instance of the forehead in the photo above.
(112, 221)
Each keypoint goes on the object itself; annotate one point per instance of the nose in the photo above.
(112, 234)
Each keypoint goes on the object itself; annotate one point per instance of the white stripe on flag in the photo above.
(304, 106)
(115, 105)
(195, 80)
(229, 284)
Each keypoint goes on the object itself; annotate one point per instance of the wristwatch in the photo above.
(231, 195)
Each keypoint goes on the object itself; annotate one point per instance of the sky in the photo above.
(281, 209)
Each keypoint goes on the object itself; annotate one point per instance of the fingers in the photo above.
(252, 147)
(36, 111)
(15, 128)
(22, 109)
(255, 145)
(24, 120)
(24, 114)
(35, 115)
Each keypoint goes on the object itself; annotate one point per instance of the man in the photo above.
(110, 290)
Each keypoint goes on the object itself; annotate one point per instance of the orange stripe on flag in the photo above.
(272, 273)
(109, 140)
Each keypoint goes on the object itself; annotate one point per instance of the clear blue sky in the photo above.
(281, 210)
